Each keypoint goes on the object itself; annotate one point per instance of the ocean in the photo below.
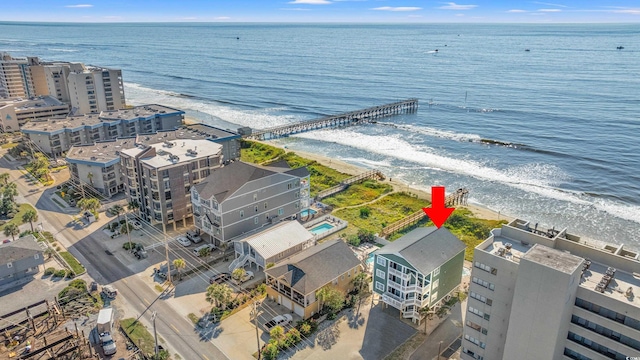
(567, 108)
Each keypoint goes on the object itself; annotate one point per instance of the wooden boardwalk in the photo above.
(459, 197)
(344, 184)
(368, 115)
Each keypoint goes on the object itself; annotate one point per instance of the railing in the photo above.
(398, 273)
(344, 184)
(238, 262)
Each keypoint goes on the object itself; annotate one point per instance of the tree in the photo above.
(426, 314)
(10, 191)
(360, 281)
(239, 274)
(365, 212)
(133, 205)
(4, 177)
(332, 298)
(30, 216)
(11, 229)
(89, 204)
(126, 229)
(117, 209)
(277, 333)
(218, 295)
(179, 265)
(270, 351)
(90, 177)
(204, 252)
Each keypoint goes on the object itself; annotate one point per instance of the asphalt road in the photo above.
(176, 330)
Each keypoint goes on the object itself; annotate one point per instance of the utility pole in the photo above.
(155, 334)
(439, 349)
(255, 322)
(166, 250)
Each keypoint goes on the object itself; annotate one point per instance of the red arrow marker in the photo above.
(437, 212)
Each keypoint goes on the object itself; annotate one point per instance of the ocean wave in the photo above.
(368, 162)
(435, 132)
(62, 50)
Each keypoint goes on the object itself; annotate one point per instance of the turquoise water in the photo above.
(321, 228)
(568, 107)
(369, 260)
(306, 212)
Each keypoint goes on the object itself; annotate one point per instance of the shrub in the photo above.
(262, 289)
(354, 240)
(49, 271)
(365, 212)
(70, 274)
(270, 352)
(60, 273)
(305, 328)
(129, 245)
(78, 284)
(2, 222)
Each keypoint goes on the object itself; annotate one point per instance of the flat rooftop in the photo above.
(516, 252)
(552, 258)
(209, 131)
(621, 282)
(100, 152)
(169, 135)
(32, 103)
(80, 121)
(173, 152)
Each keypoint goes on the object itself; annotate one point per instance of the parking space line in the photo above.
(204, 356)
(174, 328)
(147, 301)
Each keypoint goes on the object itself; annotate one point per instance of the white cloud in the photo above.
(454, 6)
(397, 8)
(516, 11)
(550, 4)
(295, 9)
(310, 2)
(79, 6)
(549, 10)
(627, 11)
(222, 18)
(460, 15)
(189, 18)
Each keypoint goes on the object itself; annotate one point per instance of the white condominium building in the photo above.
(14, 113)
(15, 76)
(547, 294)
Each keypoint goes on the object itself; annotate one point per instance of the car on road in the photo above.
(109, 291)
(202, 247)
(279, 320)
(220, 278)
(108, 345)
(183, 241)
(136, 225)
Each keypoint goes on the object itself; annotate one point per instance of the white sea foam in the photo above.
(371, 163)
(258, 118)
(63, 50)
(440, 133)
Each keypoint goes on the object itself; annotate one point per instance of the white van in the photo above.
(205, 246)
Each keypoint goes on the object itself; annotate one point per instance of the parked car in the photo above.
(136, 224)
(220, 278)
(93, 286)
(194, 236)
(183, 241)
(205, 246)
(279, 320)
(108, 345)
(6, 241)
(109, 291)
(139, 252)
(248, 275)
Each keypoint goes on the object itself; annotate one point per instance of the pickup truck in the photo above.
(279, 320)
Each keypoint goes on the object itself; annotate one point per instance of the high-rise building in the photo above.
(548, 294)
(14, 113)
(15, 76)
(160, 176)
(95, 89)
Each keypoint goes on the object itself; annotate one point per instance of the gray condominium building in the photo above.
(56, 136)
(546, 294)
(241, 197)
(160, 176)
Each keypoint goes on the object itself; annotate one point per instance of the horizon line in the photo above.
(319, 22)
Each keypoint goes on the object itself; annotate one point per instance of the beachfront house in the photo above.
(240, 197)
(271, 245)
(422, 268)
(293, 283)
(20, 260)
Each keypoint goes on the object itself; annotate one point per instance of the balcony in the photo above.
(398, 273)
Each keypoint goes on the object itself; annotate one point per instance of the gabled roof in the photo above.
(315, 267)
(425, 248)
(22, 248)
(278, 238)
(225, 181)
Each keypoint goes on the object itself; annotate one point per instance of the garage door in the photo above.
(286, 302)
(298, 310)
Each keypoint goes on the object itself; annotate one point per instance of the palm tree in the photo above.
(360, 281)
(218, 294)
(11, 229)
(30, 216)
(4, 177)
(239, 274)
(118, 210)
(90, 204)
(133, 205)
(321, 295)
(179, 265)
(427, 314)
(10, 191)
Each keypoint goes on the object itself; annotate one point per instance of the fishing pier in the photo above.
(369, 115)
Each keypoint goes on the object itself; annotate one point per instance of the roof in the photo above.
(100, 152)
(278, 238)
(209, 131)
(425, 248)
(176, 151)
(22, 248)
(225, 181)
(553, 258)
(313, 268)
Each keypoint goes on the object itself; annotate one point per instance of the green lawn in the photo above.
(73, 262)
(139, 335)
(258, 153)
(22, 208)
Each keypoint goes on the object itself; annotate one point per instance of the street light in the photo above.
(155, 334)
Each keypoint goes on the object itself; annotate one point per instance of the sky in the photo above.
(390, 11)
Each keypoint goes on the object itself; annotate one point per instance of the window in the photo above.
(255, 220)
(381, 261)
(256, 208)
(381, 274)
(265, 204)
(435, 284)
(379, 286)
(480, 313)
(480, 298)
(474, 340)
(255, 197)
(280, 211)
(486, 268)
(436, 272)
(483, 283)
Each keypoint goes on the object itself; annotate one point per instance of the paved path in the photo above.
(447, 332)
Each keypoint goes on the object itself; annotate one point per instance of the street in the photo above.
(105, 269)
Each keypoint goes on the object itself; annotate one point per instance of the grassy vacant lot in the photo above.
(358, 194)
(22, 208)
(9, 145)
(139, 335)
(73, 262)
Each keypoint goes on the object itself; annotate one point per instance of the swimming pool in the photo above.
(324, 227)
(307, 212)
(369, 260)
